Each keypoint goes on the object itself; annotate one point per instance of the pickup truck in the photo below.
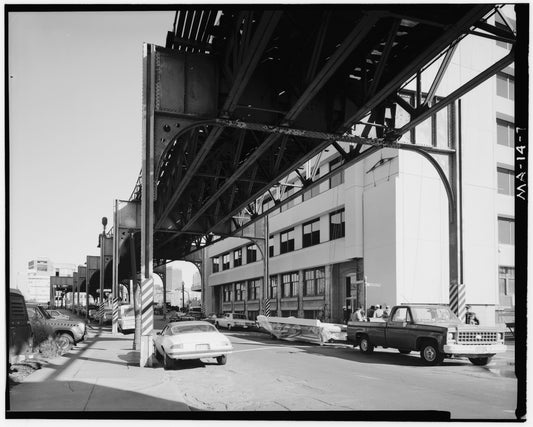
(434, 330)
(233, 320)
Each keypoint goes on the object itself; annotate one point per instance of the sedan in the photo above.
(187, 340)
(58, 315)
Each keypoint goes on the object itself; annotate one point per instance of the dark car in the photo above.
(68, 332)
(20, 330)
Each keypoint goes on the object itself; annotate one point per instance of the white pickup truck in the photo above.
(233, 320)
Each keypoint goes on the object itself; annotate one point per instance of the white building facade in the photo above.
(386, 218)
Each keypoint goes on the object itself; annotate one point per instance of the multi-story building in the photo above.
(38, 278)
(384, 221)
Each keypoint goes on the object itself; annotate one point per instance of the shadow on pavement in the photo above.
(76, 396)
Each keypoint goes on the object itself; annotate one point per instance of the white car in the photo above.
(187, 340)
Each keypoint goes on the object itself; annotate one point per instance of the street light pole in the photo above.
(102, 266)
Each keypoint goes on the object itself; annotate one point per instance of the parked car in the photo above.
(190, 340)
(196, 312)
(234, 320)
(434, 330)
(69, 332)
(212, 318)
(56, 314)
(20, 330)
(126, 318)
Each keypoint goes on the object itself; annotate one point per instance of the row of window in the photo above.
(310, 237)
(310, 233)
(251, 256)
(313, 285)
(506, 231)
(505, 181)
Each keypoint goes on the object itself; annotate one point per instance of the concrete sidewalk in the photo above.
(100, 374)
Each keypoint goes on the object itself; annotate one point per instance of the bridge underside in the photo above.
(334, 71)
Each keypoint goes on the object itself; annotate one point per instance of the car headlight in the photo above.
(451, 337)
(500, 336)
(173, 346)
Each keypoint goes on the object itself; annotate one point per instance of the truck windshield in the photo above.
(433, 314)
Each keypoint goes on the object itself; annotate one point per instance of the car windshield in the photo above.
(433, 314)
(191, 329)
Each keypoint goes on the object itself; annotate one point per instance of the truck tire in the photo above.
(65, 341)
(221, 360)
(430, 354)
(480, 361)
(365, 346)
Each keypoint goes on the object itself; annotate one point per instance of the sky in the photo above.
(75, 126)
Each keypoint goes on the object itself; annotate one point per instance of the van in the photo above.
(20, 331)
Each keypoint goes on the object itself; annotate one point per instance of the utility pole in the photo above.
(102, 267)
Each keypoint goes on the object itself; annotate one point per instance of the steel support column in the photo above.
(115, 261)
(147, 207)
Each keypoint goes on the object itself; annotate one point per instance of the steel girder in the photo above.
(308, 68)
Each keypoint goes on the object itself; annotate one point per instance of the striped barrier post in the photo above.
(147, 301)
(458, 300)
(115, 316)
(100, 312)
(267, 307)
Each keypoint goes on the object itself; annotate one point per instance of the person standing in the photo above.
(378, 313)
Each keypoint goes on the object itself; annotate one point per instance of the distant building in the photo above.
(196, 282)
(38, 278)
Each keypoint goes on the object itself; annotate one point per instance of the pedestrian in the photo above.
(370, 312)
(358, 315)
(378, 313)
(345, 315)
(470, 317)
(386, 312)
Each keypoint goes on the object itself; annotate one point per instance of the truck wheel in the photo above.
(221, 360)
(430, 354)
(404, 351)
(365, 345)
(168, 363)
(65, 342)
(480, 361)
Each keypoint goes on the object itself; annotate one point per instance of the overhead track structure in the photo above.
(270, 89)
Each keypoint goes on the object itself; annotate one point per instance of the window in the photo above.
(289, 313)
(506, 285)
(315, 191)
(336, 224)
(313, 314)
(273, 287)
(505, 182)
(239, 291)
(251, 253)
(237, 257)
(271, 246)
(254, 287)
(338, 178)
(252, 315)
(505, 85)
(289, 283)
(227, 293)
(289, 191)
(216, 265)
(267, 203)
(314, 282)
(401, 315)
(225, 262)
(505, 133)
(311, 233)
(506, 231)
(287, 241)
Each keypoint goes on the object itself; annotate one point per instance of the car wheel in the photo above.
(365, 345)
(221, 360)
(430, 354)
(65, 342)
(229, 327)
(216, 325)
(480, 361)
(167, 361)
(404, 351)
